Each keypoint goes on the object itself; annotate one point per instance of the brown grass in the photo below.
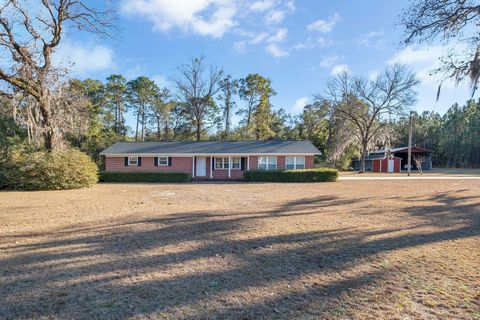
(346, 250)
(435, 172)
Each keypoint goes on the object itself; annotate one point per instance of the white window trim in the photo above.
(239, 163)
(294, 162)
(161, 164)
(222, 162)
(230, 163)
(267, 157)
(129, 159)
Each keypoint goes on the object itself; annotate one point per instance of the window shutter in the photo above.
(126, 162)
(156, 161)
(242, 164)
(213, 163)
(169, 161)
(139, 161)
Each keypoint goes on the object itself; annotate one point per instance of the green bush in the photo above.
(56, 170)
(306, 175)
(144, 177)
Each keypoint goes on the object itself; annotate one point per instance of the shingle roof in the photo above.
(373, 158)
(213, 147)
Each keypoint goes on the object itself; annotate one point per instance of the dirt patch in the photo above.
(351, 249)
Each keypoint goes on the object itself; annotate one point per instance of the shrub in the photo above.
(56, 170)
(144, 177)
(306, 175)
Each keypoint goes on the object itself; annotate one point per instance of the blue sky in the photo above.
(297, 44)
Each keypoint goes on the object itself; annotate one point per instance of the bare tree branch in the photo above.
(365, 103)
(196, 89)
(448, 20)
(29, 41)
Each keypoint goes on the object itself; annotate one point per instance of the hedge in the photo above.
(39, 170)
(144, 177)
(306, 175)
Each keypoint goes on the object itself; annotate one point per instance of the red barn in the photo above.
(387, 165)
(377, 162)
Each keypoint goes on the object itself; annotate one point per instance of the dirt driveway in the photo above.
(350, 249)
(436, 173)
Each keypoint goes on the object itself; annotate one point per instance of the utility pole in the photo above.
(410, 132)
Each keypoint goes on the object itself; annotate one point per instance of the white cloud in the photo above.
(324, 26)
(84, 59)
(134, 72)
(261, 6)
(373, 75)
(274, 41)
(240, 46)
(214, 18)
(324, 42)
(258, 38)
(411, 56)
(265, 26)
(329, 61)
(423, 61)
(204, 17)
(339, 69)
(271, 41)
(291, 6)
(307, 44)
(252, 37)
(275, 17)
(279, 36)
(161, 81)
(299, 104)
(275, 50)
(311, 42)
(372, 39)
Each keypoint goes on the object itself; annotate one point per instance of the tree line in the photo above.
(454, 137)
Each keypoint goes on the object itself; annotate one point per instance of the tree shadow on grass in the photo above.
(288, 209)
(446, 209)
(198, 264)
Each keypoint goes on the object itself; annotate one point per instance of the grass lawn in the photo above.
(346, 250)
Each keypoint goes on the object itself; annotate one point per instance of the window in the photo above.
(133, 161)
(300, 163)
(267, 163)
(163, 161)
(218, 163)
(290, 163)
(236, 163)
(222, 163)
(294, 163)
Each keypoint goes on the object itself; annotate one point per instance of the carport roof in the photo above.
(401, 150)
(213, 147)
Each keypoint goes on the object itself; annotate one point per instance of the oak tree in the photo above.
(28, 39)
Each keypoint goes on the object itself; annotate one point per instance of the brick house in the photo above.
(216, 160)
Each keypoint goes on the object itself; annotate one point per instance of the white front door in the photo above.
(201, 166)
(391, 164)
